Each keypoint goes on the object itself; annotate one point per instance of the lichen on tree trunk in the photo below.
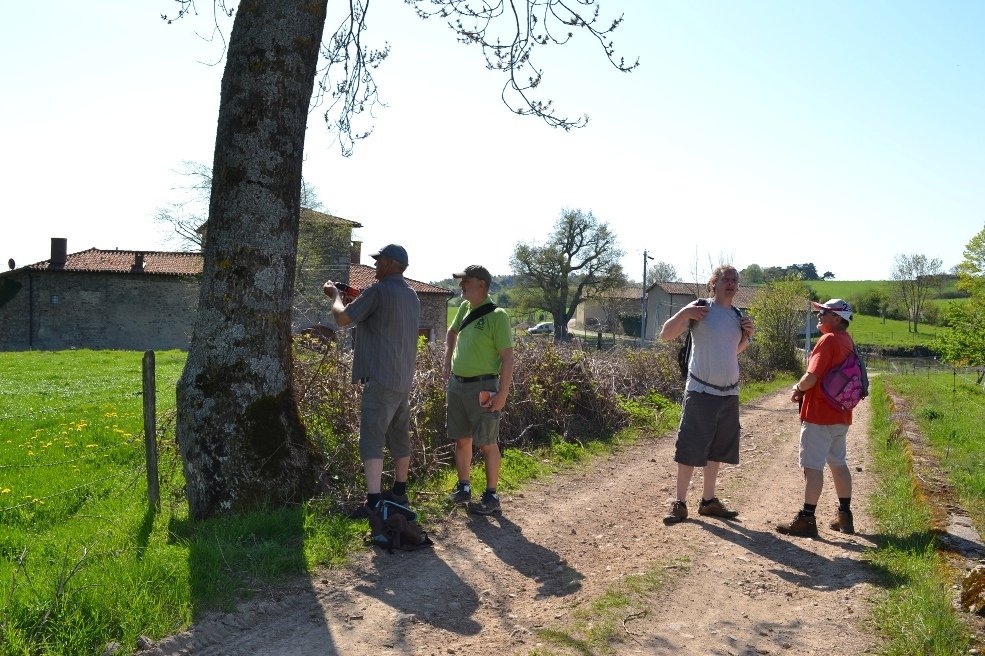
(239, 432)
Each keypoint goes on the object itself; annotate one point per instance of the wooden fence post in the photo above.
(150, 430)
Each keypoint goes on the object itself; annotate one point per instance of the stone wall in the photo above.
(64, 310)
(434, 315)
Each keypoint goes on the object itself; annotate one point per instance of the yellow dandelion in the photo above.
(5, 490)
(91, 446)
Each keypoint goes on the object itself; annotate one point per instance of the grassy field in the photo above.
(915, 612)
(73, 503)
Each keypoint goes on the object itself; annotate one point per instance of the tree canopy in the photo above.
(581, 255)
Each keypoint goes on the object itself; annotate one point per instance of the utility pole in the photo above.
(643, 302)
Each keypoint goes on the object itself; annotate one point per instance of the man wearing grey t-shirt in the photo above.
(709, 431)
(387, 317)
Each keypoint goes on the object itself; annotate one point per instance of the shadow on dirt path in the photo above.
(491, 585)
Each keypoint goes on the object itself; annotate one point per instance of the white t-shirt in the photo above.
(714, 357)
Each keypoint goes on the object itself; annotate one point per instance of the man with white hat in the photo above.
(823, 426)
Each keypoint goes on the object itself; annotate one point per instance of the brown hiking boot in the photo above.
(802, 525)
(678, 513)
(845, 522)
(716, 508)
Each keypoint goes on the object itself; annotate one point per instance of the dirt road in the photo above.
(490, 584)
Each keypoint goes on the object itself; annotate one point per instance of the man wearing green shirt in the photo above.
(479, 371)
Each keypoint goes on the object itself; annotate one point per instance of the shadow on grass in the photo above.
(230, 558)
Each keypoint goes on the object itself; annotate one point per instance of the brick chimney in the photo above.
(59, 251)
(138, 263)
(355, 252)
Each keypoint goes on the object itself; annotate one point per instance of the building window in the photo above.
(55, 300)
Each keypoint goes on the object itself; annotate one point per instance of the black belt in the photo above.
(475, 379)
(713, 386)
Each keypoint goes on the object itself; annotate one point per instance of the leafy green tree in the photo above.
(971, 270)
(662, 272)
(581, 255)
(964, 340)
(238, 429)
(779, 312)
(914, 276)
(752, 275)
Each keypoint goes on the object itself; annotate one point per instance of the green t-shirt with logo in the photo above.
(477, 347)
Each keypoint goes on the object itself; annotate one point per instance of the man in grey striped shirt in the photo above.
(387, 317)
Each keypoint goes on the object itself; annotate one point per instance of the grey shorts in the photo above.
(384, 419)
(823, 444)
(709, 430)
(466, 418)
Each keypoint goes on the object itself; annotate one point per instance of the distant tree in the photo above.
(752, 275)
(580, 255)
(873, 302)
(774, 273)
(913, 277)
(779, 310)
(661, 272)
(827, 275)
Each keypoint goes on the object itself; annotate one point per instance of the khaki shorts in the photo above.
(384, 419)
(466, 418)
(821, 444)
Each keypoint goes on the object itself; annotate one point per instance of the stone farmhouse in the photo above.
(663, 299)
(147, 300)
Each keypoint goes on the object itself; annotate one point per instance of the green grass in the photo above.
(914, 612)
(84, 561)
(950, 410)
(889, 333)
(850, 288)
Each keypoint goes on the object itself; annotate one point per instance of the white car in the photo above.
(543, 328)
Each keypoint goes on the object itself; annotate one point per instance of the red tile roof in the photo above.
(99, 261)
(362, 276)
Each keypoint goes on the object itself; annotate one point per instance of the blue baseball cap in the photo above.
(394, 252)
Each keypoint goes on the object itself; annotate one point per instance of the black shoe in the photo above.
(460, 495)
(488, 505)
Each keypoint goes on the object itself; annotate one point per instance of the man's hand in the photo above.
(330, 289)
(748, 327)
(496, 402)
(695, 312)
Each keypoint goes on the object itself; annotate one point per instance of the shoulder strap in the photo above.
(475, 313)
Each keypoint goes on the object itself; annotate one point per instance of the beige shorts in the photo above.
(821, 444)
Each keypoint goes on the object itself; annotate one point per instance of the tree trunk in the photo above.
(238, 428)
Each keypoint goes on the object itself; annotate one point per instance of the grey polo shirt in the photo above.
(387, 316)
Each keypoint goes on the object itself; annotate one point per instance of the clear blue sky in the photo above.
(839, 133)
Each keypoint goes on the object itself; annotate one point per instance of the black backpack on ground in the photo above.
(393, 526)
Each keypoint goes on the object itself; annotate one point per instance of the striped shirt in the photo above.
(387, 316)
